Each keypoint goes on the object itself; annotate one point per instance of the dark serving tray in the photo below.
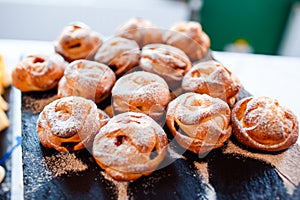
(222, 175)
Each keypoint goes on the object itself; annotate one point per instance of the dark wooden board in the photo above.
(231, 176)
(226, 175)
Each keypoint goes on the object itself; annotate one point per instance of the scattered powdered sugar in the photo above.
(34, 176)
(202, 169)
(45, 170)
(174, 154)
(120, 185)
(64, 163)
(37, 105)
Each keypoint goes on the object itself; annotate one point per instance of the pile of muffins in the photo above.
(150, 76)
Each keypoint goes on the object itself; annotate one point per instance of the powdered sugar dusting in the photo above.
(114, 48)
(88, 79)
(77, 30)
(191, 108)
(200, 120)
(66, 115)
(199, 74)
(213, 79)
(164, 60)
(64, 163)
(140, 30)
(140, 91)
(122, 136)
(175, 155)
(189, 37)
(37, 105)
(77, 41)
(120, 185)
(267, 123)
(53, 166)
(75, 118)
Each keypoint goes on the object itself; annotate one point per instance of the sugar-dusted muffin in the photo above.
(141, 30)
(70, 124)
(77, 41)
(214, 79)
(199, 123)
(189, 37)
(129, 146)
(141, 92)
(88, 79)
(38, 72)
(120, 54)
(166, 61)
(262, 123)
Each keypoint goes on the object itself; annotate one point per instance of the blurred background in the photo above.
(251, 26)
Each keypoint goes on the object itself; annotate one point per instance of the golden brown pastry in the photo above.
(190, 38)
(5, 76)
(140, 30)
(38, 72)
(213, 79)
(166, 61)
(4, 121)
(88, 79)
(70, 124)
(141, 92)
(120, 54)
(4, 83)
(77, 41)
(129, 146)
(199, 122)
(262, 123)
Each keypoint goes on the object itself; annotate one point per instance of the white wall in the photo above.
(44, 19)
(291, 40)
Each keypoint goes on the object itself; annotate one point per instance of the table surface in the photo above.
(273, 76)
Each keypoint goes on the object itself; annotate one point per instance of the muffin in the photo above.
(77, 41)
(141, 92)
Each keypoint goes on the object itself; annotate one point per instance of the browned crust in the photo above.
(77, 41)
(190, 38)
(145, 92)
(194, 144)
(125, 154)
(166, 61)
(141, 30)
(214, 79)
(38, 72)
(246, 137)
(55, 124)
(95, 84)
